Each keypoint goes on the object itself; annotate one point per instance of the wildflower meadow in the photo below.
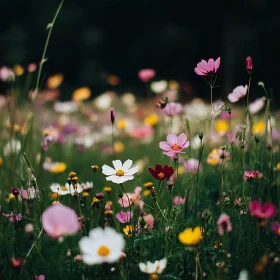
(122, 186)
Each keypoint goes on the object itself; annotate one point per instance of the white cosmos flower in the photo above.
(121, 173)
(67, 189)
(152, 268)
(102, 246)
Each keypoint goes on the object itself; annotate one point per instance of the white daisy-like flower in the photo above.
(153, 268)
(87, 186)
(102, 246)
(67, 189)
(121, 173)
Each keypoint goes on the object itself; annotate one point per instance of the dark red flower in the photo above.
(161, 173)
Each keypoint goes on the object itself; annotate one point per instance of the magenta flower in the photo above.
(146, 75)
(124, 217)
(205, 68)
(59, 220)
(265, 212)
(251, 175)
(237, 93)
(174, 144)
(172, 109)
(249, 64)
(224, 224)
(13, 217)
(192, 165)
(40, 277)
(276, 228)
(134, 198)
(179, 200)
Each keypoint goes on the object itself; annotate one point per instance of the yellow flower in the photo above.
(259, 127)
(277, 166)
(222, 127)
(121, 124)
(80, 94)
(191, 237)
(19, 70)
(9, 197)
(59, 168)
(213, 157)
(128, 230)
(85, 194)
(95, 200)
(54, 81)
(107, 189)
(151, 120)
(173, 85)
(1, 161)
(146, 193)
(118, 147)
(180, 170)
(55, 196)
(148, 185)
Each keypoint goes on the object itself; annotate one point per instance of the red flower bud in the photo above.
(249, 65)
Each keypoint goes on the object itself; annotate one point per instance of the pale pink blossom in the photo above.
(204, 68)
(192, 165)
(134, 198)
(146, 74)
(224, 224)
(30, 193)
(144, 131)
(172, 109)
(149, 222)
(257, 105)
(13, 217)
(31, 67)
(6, 73)
(237, 93)
(29, 228)
(124, 217)
(59, 220)
(174, 144)
(40, 277)
(179, 200)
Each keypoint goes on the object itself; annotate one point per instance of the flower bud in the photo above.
(15, 192)
(249, 65)
(112, 115)
(29, 228)
(99, 195)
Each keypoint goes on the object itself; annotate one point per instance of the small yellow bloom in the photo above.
(82, 93)
(259, 127)
(95, 200)
(85, 194)
(222, 127)
(55, 196)
(153, 276)
(173, 85)
(59, 168)
(121, 124)
(180, 170)
(128, 230)
(148, 185)
(54, 81)
(277, 166)
(191, 237)
(146, 193)
(118, 147)
(151, 120)
(213, 157)
(1, 161)
(19, 70)
(9, 197)
(107, 189)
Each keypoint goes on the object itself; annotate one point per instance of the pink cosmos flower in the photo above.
(191, 165)
(31, 67)
(251, 175)
(174, 144)
(172, 109)
(223, 154)
(146, 75)
(40, 277)
(30, 193)
(224, 224)
(257, 105)
(205, 68)
(149, 222)
(265, 212)
(6, 73)
(237, 93)
(134, 198)
(276, 228)
(13, 217)
(59, 220)
(179, 200)
(144, 131)
(124, 217)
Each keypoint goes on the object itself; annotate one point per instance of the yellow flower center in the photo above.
(175, 147)
(160, 175)
(153, 276)
(103, 251)
(119, 172)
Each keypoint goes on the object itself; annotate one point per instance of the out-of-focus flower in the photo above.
(191, 237)
(146, 74)
(46, 142)
(6, 74)
(29, 228)
(243, 275)
(265, 212)
(148, 220)
(128, 230)
(132, 198)
(118, 147)
(1, 161)
(144, 132)
(275, 226)
(30, 193)
(12, 147)
(81, 93)
(249, 64)
(179, 200)
(237, 93)
(18, 70)
(13, 217)
(113, 80)
(223, 154)
(153, 268)
(259, 127)
(159, 86)
(65, 107)
(224, 224)
(16, 262)
(172, 109)
(251, 175)
(59, 220)
(121, 173)
(59, 167)
(161, 173)
(151, 120)
(102, 246)
(222, 127)
(104, 101)
(192, 165)
(55, 81)
(205, 68)
(31, 67)
(40, 277)
(174, 144)
(128, 99)
(107, 189)
(67, 189)
(213, 158)
(257, 105)
(87, 186)
(124, 217)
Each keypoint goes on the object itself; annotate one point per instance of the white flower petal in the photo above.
(127, 164)
(132, 171)
(112, 178)
(107, 170)
(117, 164)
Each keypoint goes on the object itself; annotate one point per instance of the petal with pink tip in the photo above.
(182, 138)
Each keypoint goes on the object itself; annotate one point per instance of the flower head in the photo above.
(172, 109)
(153, 268)
(237, 93)
(121, 173)
(276, 228)
(146, 74)
(174, 144)
(257, 105)
(179, 200)
(249, 64)
(265, 212)
(132, 198)
(102, 246)
(161, 173)
(124, 217)
(224, 224)
(191, 237)
(251, 175)
(59, 220)
(205, 68)
(192, 165)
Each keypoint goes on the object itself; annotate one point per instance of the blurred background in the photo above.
(92, 40)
